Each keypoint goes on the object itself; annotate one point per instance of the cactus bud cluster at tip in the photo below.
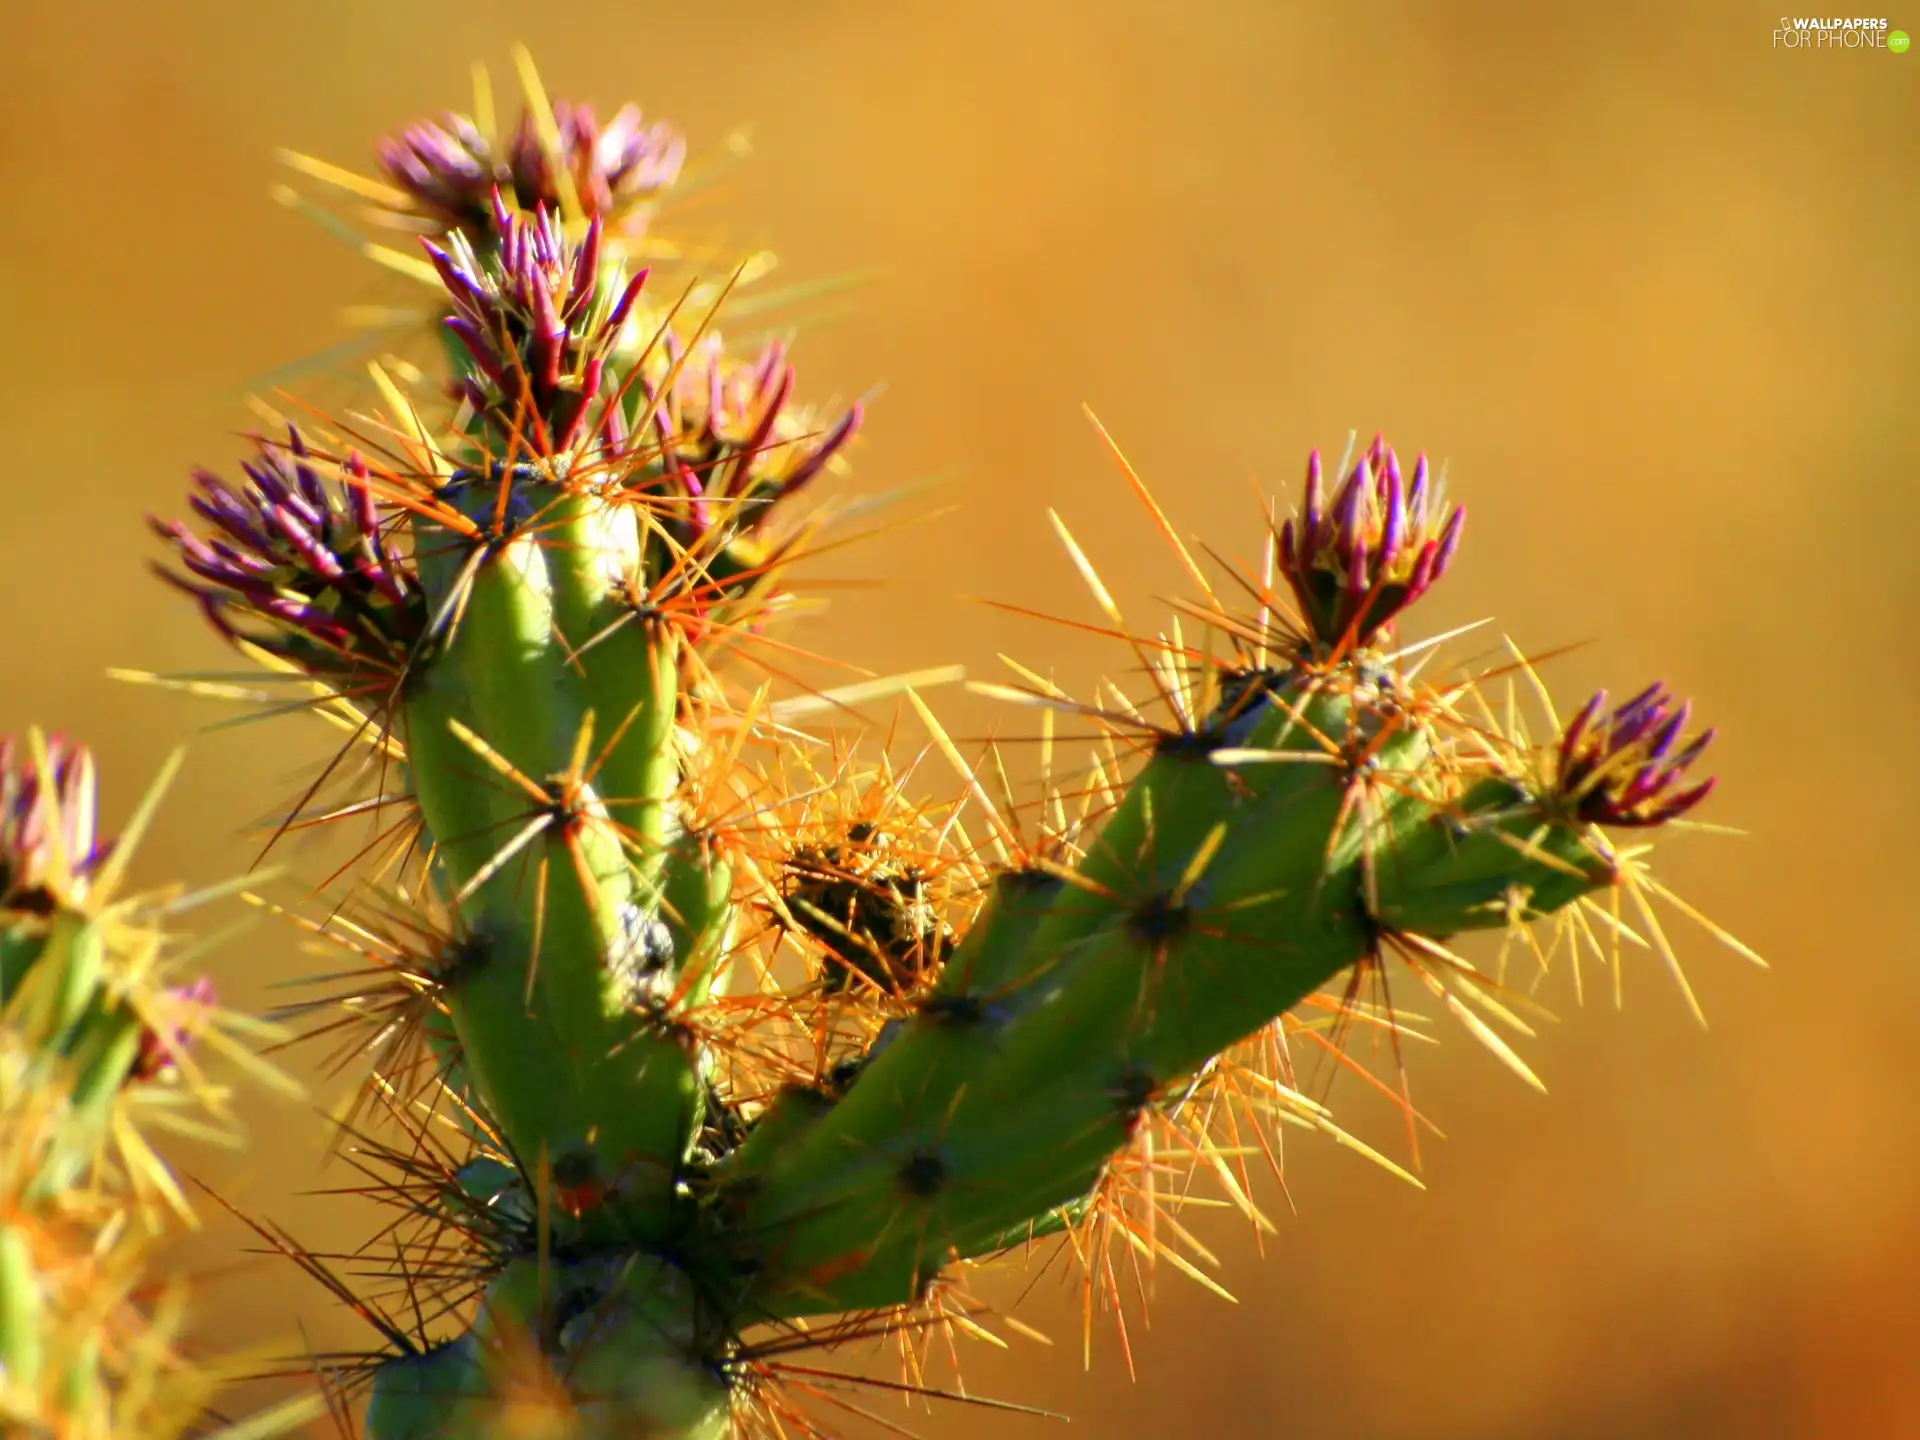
(298, 563)
(1358, 559)
(683, 1136)
(301, 561)
(534, 321)
(726, 439)
(98, 953)
(450, 171)
(711, 437)
(46, 821)
(1627, 768)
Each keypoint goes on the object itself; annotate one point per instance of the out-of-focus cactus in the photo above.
(98, 1045)
(739, 1036)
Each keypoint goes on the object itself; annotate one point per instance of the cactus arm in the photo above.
(547, 1023)
(556, 857)
(1471, 867)
(1232, 893)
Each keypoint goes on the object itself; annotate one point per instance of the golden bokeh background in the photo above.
(1646, 283)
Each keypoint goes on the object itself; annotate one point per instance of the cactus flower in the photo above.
(448, 170)
(46, 822)
(1378, 545)
(1627, 768)
(297, 563)
(537, 328)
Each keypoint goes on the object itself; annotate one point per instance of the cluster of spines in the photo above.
(986, 1043)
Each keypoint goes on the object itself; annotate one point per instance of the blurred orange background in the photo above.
(1645, 282)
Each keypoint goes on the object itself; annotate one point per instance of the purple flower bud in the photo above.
(586, 268)
(1310, 510)
(770, 406)
(617, 316)
(304, 570)
(1417, 494)
(44, 811)
(1394, 526)
(1617, 770)
(448, 170)
(1354, 565)
(823, 451)
(1449, 541)
(524, 310)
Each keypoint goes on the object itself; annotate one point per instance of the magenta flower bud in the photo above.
(1355, 563)
(1310, 512)
(726, 435)
(448, 171)
(297, 564)
(614, 170)
(527, 311)
(586, 267)
(817, 457)
(617, 316)
(1417, 493)
(1622, 770)
(46, 814)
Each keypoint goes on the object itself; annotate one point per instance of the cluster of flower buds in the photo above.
(1625, 769)
(1380, 545)
(450, 170)
(298, 564)
(725, 447)
(528, 310)
(46, 821)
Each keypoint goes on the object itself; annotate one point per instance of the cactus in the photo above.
(97, 1052)
(700, 1034)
